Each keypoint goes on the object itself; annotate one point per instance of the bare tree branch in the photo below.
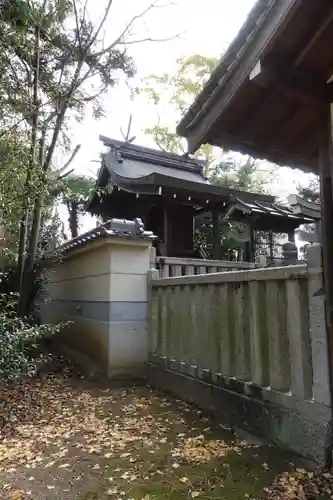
(61, 114)
(149, 39)
(78, 27)
(66, 174)
(91, 97)
(69, 161)
(101, 24)
(125, 31)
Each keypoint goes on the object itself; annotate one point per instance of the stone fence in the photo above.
(249, 345)
(174, 266)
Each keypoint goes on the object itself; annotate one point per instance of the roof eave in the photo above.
(211, 102)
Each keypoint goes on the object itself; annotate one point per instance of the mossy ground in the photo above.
(71, 439)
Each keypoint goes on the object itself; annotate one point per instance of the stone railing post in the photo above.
(321, 390)
(152, 259)
(153, 318)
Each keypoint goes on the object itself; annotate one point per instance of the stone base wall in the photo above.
(302, 427)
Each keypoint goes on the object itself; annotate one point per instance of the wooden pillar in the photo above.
(270, 245)
(166, 230)
(216, 234)
(326, 192)
(318, 231)
(291, 236)
(252, 245)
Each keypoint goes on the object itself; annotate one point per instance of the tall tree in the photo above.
(56, 63)
(73, 191)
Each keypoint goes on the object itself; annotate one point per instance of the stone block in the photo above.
(128, 288)
(302, 431)
(129, 260)
(128, 350)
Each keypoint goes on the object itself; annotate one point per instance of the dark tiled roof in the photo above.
(120, 228)
(156, 157)
(272, 209)
(304, 207)
(144, 170)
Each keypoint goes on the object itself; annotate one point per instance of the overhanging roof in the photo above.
(269, 95)
(143, 170)
(268, 215)
(305, 208)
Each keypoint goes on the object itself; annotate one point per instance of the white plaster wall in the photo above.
(109, 272)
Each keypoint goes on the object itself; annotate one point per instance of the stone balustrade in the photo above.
(174, 266)
(259, 332)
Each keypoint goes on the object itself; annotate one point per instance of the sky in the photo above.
(204, 28)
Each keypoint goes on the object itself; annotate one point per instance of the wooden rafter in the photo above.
(317, 32)
(299, 83)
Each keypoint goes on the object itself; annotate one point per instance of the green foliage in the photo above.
(172, 95)
(19, 355)
(74, 191)
(241, 175)
(52, 234)
(76, 188)
(311, 192)
(14, 155)
(55, 65)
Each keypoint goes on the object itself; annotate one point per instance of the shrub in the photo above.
(19, 339)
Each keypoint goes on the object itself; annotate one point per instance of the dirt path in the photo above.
(68, 439)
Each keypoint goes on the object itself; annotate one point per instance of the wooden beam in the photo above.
(304, 85)
(226, 90)
(216, 235)
(260, 151)
(319, 28)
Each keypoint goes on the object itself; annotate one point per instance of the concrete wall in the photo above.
(250, 345)
(101, 288)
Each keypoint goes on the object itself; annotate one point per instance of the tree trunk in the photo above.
(34, 130)
(72, 207)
